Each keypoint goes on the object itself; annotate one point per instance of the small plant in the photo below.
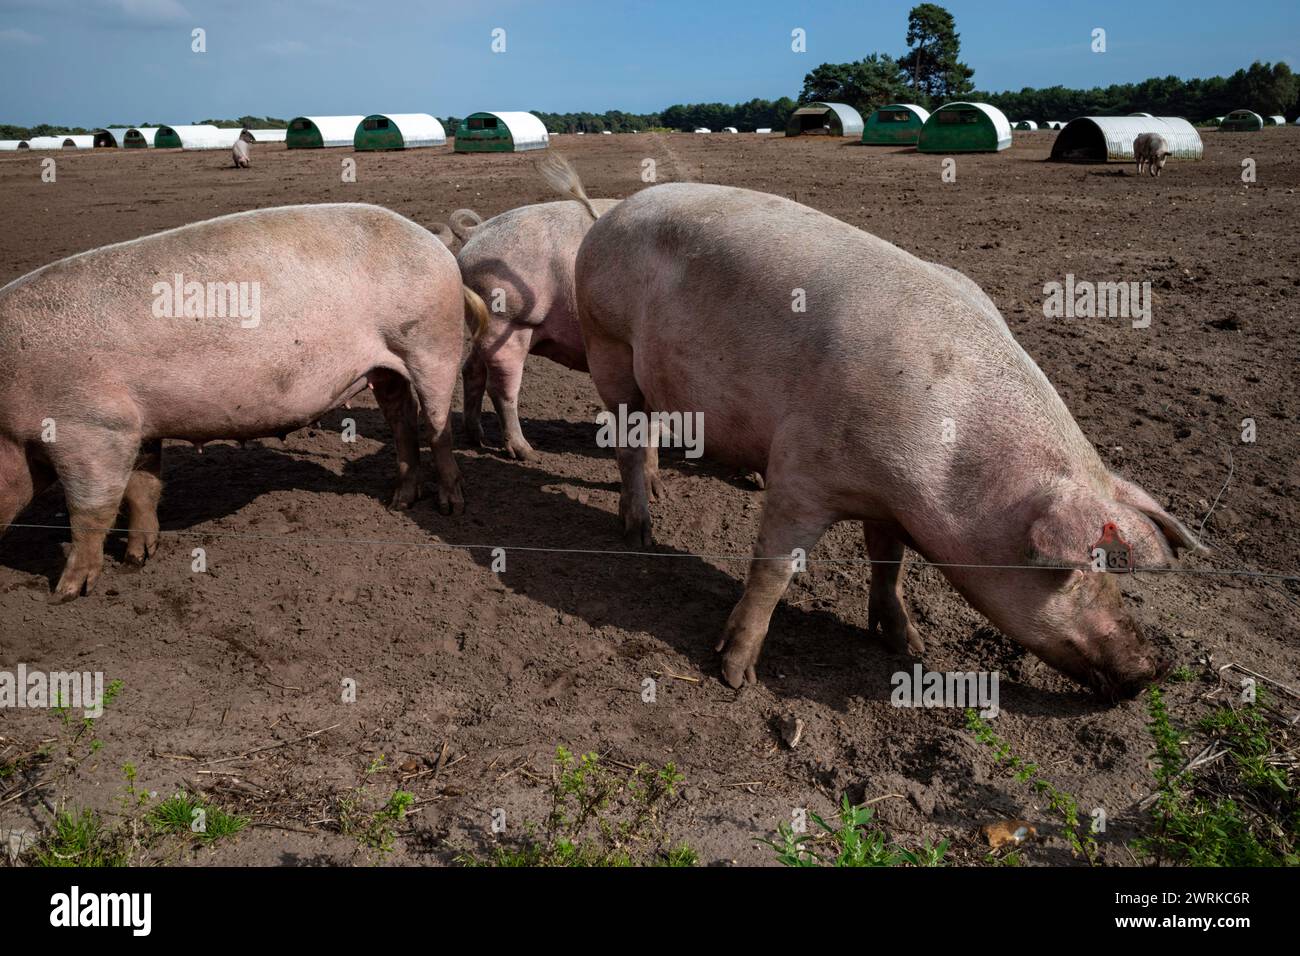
(598, 817)
(1243, 812)
(180, 813)
(1081, 838)
(373, 829)
(855, 842)
(80, 840)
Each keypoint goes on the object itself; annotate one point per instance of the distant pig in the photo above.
(240, 154)
(521, 264)
(1151, 150)
(246, 326)
(896, 396)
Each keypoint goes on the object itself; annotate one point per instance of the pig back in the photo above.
(767, 315)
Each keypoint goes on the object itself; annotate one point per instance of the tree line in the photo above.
(929, 72)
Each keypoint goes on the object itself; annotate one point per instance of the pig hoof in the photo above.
(637, 534)
(737, 669)
(522, 452)
(404, 497)
(451, 502)
(655, 487)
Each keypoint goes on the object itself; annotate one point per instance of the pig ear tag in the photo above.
(1111, 552)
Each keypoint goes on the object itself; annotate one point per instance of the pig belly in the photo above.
(258, 406)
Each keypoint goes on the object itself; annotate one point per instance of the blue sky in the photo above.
(92, 62)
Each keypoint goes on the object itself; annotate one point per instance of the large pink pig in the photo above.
(521, 264)
(240, 327)
(897, 398)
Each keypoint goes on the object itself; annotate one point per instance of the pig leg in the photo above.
(611, 370)
(94, 463)
(505, 375)
(886, 612)
(434, 379)
(474, 377)
(789, 521)
(654, 485)
(18, 485)
(143, 489)
(397, 402)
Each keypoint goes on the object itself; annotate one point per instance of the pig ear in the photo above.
(1063, 526)
(1175, 535)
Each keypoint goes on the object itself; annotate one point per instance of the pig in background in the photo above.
(521, 264)
(240, 154)
(684, 296)
(348, 295)
(1150, 150)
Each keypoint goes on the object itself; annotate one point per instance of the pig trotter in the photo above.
(451, 497)
(86, 557)
(740, 650)
(406, 494)
(143, 489)
(886, 613)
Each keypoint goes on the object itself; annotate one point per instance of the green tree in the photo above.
(931, 62)
(864, 85)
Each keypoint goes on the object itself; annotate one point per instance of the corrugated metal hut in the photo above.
(965, 128)
(500, 132)
(1242, 121)
(825, 119)
(898, 124)
(398, 131)
(320, 132)
(1100, 139)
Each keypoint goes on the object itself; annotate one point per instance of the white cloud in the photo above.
(149, 12)
(285, 47)
(16, 37)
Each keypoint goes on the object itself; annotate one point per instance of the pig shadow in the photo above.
(217, 483)
(569, 556)
(559, 436)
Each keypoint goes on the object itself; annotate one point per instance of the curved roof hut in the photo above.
(205, 136)
(140, 137)
(965, 128)
(266, 135)
(1242, 121)
(896, 124)
(1274, 120)
(9, 144)
(45, 142)
(319, 132)
(1100, 139)
(500, 132)
(110, 137)
(826, 119)
(398, 131)
(1027, 125)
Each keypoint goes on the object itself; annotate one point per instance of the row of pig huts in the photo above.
(953, 128)
(483, 132)
(503, 131)
(981, 128)
(202, 136)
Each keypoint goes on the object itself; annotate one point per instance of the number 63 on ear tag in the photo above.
(1111, 552)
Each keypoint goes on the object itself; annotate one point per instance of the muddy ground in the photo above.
(311, 580)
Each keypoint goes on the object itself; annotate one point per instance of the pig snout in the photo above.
(1127, 664)
(1103, 647)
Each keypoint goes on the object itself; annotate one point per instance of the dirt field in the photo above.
(311, 580)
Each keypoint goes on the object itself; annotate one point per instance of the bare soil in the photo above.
(311, 580)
